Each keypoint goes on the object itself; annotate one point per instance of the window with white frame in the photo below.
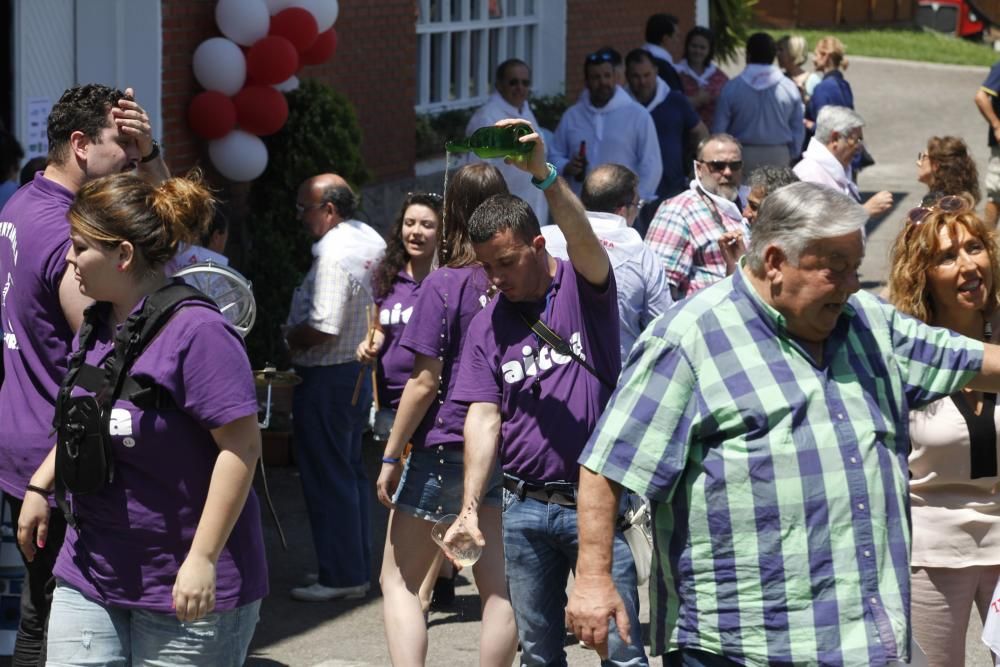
(461, 42)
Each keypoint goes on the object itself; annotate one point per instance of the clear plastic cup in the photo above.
(461, 548)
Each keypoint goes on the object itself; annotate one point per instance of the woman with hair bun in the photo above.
(166, 563)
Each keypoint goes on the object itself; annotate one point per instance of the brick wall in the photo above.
(592, 24)
(374, 67)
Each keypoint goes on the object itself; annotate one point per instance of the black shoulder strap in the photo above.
(553, 340)
(137, 332)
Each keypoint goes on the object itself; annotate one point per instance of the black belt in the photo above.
(558, 493)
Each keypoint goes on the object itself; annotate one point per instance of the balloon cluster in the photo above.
(246, 73)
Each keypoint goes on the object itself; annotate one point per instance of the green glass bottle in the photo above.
(491, 141)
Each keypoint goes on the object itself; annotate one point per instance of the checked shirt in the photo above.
(779, 486)
(685, 235)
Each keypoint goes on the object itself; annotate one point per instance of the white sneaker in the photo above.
(310, 578)
(319, 593)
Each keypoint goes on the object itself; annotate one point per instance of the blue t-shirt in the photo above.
(674, 118)
(992, 86)
(833, 89)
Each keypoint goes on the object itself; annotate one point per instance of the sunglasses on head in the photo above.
(936, 202)
(720, 165)
(433, 196)
(600, 57)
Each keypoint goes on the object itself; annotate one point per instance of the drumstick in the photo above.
(371, 339)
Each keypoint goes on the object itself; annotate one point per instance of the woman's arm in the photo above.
(418, 395)
(33, 521)
(239, 449)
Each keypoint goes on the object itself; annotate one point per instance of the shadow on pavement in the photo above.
(891, 214)
(280, 616)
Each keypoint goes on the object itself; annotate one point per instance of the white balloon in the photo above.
(243, 21)
(239, 156)
(324, 11)
(288, 85)
(220, 65)
(275, 6)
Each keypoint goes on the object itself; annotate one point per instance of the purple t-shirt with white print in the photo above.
(549, 403)
(447, 300)
(395, 363)
(136, 532)
(34, 240)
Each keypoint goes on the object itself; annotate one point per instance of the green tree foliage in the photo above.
(730, 20)
(322, 135)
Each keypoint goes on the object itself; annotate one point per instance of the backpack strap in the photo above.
(137, 332)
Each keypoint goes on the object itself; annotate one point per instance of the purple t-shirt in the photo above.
(34, 240)
(135, 534)
(395, 363)
(447, 300)
(549, 403)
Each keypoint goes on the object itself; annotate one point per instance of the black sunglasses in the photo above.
(720, 165)
(523, 82)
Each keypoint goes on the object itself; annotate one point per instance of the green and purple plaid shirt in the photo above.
(779, 487)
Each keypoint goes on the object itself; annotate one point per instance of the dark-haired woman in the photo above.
(430, 487)
(702, 80)
(166, 564)
(411, 251)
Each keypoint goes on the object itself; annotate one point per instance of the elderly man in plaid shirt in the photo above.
(328, 316)
(685, 230)
(766, 419)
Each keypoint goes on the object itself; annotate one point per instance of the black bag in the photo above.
(84, 454)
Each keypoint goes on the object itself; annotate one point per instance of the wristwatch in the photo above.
(153, 154)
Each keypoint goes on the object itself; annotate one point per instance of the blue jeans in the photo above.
(328, 454)
(540, 547)
(432, 482)
(83, 632)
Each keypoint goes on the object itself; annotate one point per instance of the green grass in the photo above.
(904, 44)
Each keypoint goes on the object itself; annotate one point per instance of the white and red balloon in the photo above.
(243, 98)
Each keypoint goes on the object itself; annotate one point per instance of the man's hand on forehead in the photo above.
(132, 121)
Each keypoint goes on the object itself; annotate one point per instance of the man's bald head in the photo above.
(608, 188)
(332, 189)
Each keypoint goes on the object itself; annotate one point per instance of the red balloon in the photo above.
(211, 115)
(260, 110)
(322, 49)
(297, 25)
(272, 59)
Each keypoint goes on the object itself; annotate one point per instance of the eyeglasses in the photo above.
(920, 156)
(720, 165)
(300, 209)
(854, 141)
(525, 83)
(936, 202)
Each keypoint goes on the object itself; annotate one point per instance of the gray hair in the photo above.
(836, 119)
(722, 138)
(798, 214)
(769, 178)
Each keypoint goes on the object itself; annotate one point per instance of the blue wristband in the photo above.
(548, 180)
(390, 459)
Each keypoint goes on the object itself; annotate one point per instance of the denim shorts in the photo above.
(83, 631)
(432, 483)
